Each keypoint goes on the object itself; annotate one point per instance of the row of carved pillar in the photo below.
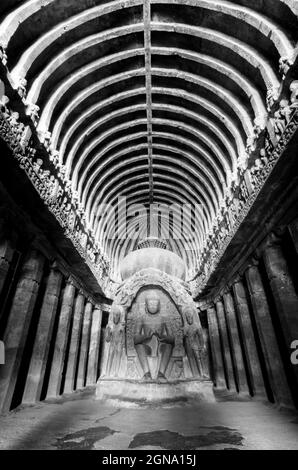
(60, 321)
(252, 325)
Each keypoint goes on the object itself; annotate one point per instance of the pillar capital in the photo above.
(55, 266)
(272, 240)
(237, 280)
(89, 300)
(81, 292)
(98, 307)
(210, 306)
(72, 282)
(252, 263)
(226, 291)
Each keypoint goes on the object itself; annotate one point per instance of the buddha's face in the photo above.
(116, 316)
(153, 305)
(189, 317)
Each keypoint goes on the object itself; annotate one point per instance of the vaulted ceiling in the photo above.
(153, 100)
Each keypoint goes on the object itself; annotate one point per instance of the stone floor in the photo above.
(84, 423)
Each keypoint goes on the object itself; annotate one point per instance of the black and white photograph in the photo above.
(148, 231)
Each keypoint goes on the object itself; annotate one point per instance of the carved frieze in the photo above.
(51, 184)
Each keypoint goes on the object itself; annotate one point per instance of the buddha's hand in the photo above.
(139, 339)
(166, 339)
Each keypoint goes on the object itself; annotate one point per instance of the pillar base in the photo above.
(224, 394)
(130, 393)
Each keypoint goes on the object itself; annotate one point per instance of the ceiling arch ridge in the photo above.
(195, 161)
(114, 246)
(227, 97)
(185, 251)
(194, 147)
(64, 87)
(217, 90)
(47, 111)
(198, 234)
(257, 102)
(131, 124)
(115, 250)
(253, 95)
(97, 141)
(224, 118)
(92, 199)
(258, 21)
(49, 37)
(135, 186)
(164, 190)
(84, 182)
(202, 136)
(170, 196)
(83, 154)
(248, 53)
(69, 81)
(122, 229)
(43, 125)
(92, 110)
(181, 246)
(205, 189)
(106, 118)
(43, 113)
(207, 105)
(80, 137)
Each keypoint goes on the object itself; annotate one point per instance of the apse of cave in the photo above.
(148, 224)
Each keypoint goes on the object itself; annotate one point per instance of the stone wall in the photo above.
(49, 324)
(253, 324)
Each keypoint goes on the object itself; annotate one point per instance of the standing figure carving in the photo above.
(194, 343)
(115, 336)
(149, 326)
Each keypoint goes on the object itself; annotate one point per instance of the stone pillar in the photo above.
(83, 360)
(61, 340)
(284, 293)
(6, 255)
(218, 366)
(249, 343)
(69, 385)
(94, 347)
(236, 350)
(43, 337)
(16, 332)
(274, 363)
(225, 344)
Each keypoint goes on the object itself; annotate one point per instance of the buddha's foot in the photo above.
(147, 377)
(162, 378)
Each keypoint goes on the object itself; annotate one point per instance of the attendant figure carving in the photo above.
(194, 343)
(115, 336)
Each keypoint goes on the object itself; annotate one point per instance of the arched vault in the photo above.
(151, 100)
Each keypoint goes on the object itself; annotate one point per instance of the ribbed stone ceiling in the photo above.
(151, 100)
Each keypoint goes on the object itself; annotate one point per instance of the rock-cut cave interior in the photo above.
(148, 224)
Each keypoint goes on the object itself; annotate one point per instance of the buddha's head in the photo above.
(152, 303)
(116, 311)
(189, 315)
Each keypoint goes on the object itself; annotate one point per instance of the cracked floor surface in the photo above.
(84, 423)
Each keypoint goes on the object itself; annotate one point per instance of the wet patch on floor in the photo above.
(174, 441)
(218, 428)
(109, 415)
(84, 439)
